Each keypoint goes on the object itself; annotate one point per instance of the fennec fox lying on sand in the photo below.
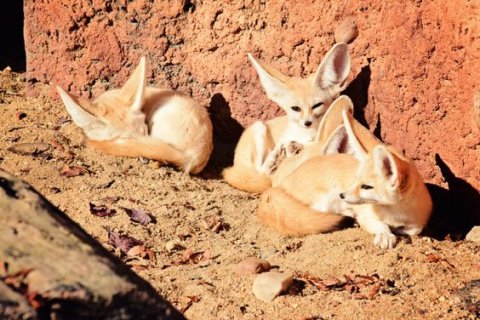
(377, 186)
(305, 100)
(140, 121)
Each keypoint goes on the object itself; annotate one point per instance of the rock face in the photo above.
(41, 277)
(414, 67)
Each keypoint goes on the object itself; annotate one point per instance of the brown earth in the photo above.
(421, 279)
(415, 63)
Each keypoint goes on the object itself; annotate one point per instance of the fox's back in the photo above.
(321, 175)
(177, 119)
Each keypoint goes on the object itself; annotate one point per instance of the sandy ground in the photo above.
(202, 228)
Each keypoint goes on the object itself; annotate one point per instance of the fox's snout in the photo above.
(350, 198)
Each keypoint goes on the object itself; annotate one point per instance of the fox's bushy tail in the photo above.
(145, 147)
(247, 179)
(287, 215)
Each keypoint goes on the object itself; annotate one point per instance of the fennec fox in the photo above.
(304, 100)
(331, 138)
(377, 186)
(141, 121)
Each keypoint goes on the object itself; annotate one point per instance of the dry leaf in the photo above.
(73, 171)
(140, 216)
(122, 242)
(101, 210)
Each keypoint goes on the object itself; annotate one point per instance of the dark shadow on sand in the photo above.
(226, 132)
(456, 210)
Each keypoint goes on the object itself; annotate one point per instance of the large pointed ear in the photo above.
(333, 118)
(385, 164)
(391, 167)
(80, 116)
(272, 80)
(134, 88)
(361, 136)
(334, 69)
(359, 150)
(337, 142)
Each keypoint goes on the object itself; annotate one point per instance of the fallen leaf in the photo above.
(215, 224)
(16, 280)
(140, 216)
(62, 120)
(189, 256)
(136, 251)
(34, 299)
(433, 258)
(73, 171)
(122, 242)
(187, 301)
(101, 210)
(374, 290)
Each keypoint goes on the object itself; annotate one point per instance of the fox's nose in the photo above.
(308, 123)
(342, 196)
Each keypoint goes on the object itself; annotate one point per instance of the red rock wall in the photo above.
(416, 63)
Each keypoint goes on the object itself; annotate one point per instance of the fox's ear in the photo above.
(134, 88)
(385, 164)
(359, 150)
(272, 80)
(338, 142)
(334, 69)
(80, 116)
(333, 118)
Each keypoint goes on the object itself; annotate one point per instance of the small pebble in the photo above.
(252, 265)
(474, 234)
(267, 286)
(173, 245)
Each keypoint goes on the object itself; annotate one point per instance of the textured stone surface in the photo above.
(415, 62)
(252, 265)
(474, 234)
(269, 285)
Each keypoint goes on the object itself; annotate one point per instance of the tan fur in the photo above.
(394, 199)
(329, 125)
(287, 215)
(245, 179)
(260, 143)
(139, 121)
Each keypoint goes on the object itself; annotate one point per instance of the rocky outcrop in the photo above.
(51, 269)
(414, 64)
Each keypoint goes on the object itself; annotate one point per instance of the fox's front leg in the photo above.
(280, 153)
(384, 238)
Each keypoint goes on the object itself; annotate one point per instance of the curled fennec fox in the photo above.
(305, 100)
(377, 186)
(141, 121)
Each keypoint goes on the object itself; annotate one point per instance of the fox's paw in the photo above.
(385, 240)
(275, 159)
(293, 148)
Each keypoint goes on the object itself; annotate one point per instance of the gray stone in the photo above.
(267, 286)
(474, 234)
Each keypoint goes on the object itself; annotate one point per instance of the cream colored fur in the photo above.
(141, 121)
(304, 100)
(382, 190)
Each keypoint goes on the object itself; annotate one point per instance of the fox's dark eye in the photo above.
(366, 187)
(295, 108)
(317, 105)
